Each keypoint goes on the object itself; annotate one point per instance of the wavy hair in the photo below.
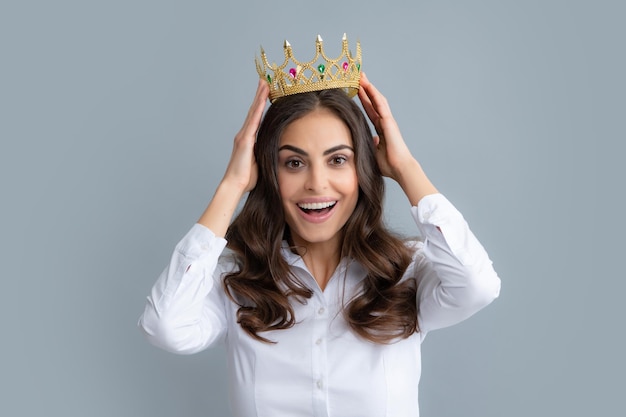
(384, 309)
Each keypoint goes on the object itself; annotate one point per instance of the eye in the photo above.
(338, 160)
(293, 163)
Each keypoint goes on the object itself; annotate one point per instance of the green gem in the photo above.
(321, 68)
(269, 78)
(358, 67)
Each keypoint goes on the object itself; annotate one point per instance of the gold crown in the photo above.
(320, 73)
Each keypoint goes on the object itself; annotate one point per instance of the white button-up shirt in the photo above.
(320, 367)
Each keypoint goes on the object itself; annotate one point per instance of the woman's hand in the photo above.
(393, 155)
(241, 173)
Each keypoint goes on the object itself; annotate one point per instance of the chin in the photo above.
(313, 237)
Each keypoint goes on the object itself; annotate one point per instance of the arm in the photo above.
(185, 309)
(455, 275)
(184, 312)
(241, 173)
(393, 156)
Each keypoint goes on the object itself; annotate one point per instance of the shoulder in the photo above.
(418, 258)
(416, 246)
(227, 263)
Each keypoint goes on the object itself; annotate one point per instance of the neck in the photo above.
(321, 258)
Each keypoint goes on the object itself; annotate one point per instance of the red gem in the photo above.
(292, 72)
(345, 66)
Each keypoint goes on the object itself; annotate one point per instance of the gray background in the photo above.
(116, 124)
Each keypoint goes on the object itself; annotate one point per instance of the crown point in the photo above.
(287, 44)
(344, 37)
(319, 38)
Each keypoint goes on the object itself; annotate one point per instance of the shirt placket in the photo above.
(319, 361)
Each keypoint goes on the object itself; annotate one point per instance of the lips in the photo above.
(316, 212)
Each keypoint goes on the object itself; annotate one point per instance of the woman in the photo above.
(321, 308)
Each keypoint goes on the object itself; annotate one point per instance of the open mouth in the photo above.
(317, 208)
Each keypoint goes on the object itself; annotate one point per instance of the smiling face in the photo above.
(317, 177)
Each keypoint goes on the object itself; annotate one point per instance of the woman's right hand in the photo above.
(242, 171)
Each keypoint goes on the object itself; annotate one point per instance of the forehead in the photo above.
(319, 127)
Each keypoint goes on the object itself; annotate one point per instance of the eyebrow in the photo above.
(304, 153)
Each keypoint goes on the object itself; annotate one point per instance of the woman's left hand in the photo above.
(392, 154)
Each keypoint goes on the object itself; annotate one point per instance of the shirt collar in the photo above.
(295, 260)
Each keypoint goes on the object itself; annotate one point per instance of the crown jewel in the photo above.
(320, 73)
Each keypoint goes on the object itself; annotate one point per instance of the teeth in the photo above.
(317, 206)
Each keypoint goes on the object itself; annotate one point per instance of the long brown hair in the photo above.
(263, 285)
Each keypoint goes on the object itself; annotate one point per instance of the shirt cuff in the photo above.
(441, 223)
(198, 241)
(433, 209)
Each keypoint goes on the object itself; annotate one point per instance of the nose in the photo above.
(317, 178)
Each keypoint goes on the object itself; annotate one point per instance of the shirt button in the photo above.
(318, 341)
(321, 310)
(320, 385)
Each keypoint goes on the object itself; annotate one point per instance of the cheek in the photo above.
(349, 182)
